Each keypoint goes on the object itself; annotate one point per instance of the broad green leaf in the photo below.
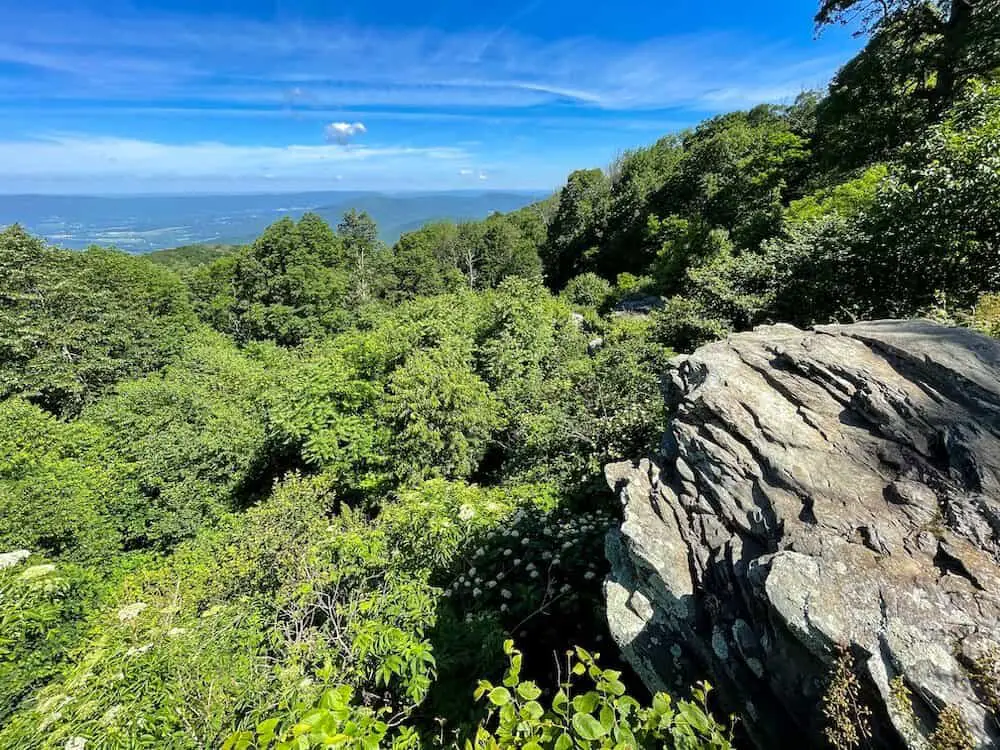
(588, 727)
(499, 696)
(529, 691)
(586, 703)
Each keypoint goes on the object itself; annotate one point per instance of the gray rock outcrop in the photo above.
(817, 491)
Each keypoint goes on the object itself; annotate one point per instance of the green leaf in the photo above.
(507, 715)
(694, 716)
(625, 736)
(499, 696)
(661, 703)
(529, 691)
(559, 703)
(483, 688)
(532, 710)
(266, 730)
(586, 703)
(607, 717)
(564, 742)
(588, 727)
(615, 687)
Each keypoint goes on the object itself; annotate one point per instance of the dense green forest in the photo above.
(302, 493)
(187, 257)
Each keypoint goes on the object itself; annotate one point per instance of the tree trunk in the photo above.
(956, 30)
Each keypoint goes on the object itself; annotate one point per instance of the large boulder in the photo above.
(818, 493)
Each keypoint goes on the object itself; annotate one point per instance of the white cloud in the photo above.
(343, 132)
(69, 156)
(171, 58)
(415, 83)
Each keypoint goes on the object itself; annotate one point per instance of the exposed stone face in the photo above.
(836, 487)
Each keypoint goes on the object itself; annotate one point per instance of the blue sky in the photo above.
(280, 95)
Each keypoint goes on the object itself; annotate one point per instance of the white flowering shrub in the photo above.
(42, 613)
(538, 564)
(539, 577)
(435, 525)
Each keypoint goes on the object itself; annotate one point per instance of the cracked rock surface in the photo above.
(814, 490)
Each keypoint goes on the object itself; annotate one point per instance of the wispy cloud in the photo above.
(220, 60)
(381, 107)
(69, 156)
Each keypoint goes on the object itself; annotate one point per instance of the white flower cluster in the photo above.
(538, 555)
(131, 611)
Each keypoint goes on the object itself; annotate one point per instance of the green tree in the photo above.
(424, 262)
(577, 227)
(506, 252)
(193, 438)
(73, 324)
(468, 258)
(890, 242)
(61, 494)
(933, 225)
(289, 285)
(441, 412)
(635, 177)
(325, 413)
(737, 172)
(958, 38)
(363, 252)
(683, 243)
(213, 294)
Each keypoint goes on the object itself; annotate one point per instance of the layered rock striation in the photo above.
(820, 492)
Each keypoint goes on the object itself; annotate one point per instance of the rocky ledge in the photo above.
(817, 493)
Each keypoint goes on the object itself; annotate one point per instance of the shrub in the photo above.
(629, 285)
(986, 315)
(43, 611)
(846, 715)
(951, 732)
(536, 571)
(604, 717)
(683, 325)
(587, 290)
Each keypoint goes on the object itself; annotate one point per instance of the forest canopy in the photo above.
(307, 491)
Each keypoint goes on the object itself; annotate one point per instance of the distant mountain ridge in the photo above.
(141, 224)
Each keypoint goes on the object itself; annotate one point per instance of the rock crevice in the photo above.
(815, 491)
